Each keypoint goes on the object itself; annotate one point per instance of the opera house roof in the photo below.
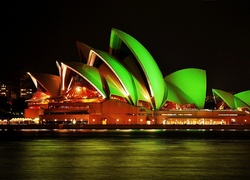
(233, 101)
(129, 73)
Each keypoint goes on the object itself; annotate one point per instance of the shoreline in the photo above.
(122, 126)
(181, 132)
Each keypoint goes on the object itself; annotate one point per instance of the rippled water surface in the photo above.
(124, 156)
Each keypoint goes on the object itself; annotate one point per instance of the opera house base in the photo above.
(117, 112)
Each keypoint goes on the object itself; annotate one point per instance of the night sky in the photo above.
(208, 34)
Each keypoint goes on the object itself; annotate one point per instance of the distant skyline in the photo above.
(209, 34)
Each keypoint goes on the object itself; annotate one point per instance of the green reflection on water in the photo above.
(124, 158)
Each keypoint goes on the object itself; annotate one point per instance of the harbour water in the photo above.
(125, 154)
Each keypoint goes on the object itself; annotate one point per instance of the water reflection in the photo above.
(124, 158)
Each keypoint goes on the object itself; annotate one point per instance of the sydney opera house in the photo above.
(126, 86)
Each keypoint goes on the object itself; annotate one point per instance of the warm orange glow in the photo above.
(79, 92)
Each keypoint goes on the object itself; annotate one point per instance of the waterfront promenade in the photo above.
(122, 126)
(227, 132)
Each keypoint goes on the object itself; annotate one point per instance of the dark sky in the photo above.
(209, 34)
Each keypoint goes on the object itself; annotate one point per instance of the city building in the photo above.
(126, 86)
(27, 88)
(13, 90)
(13, 96)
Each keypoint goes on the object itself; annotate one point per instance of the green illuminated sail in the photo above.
(225, 96)
(154, 78)
(190, 84)
(244, 96)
